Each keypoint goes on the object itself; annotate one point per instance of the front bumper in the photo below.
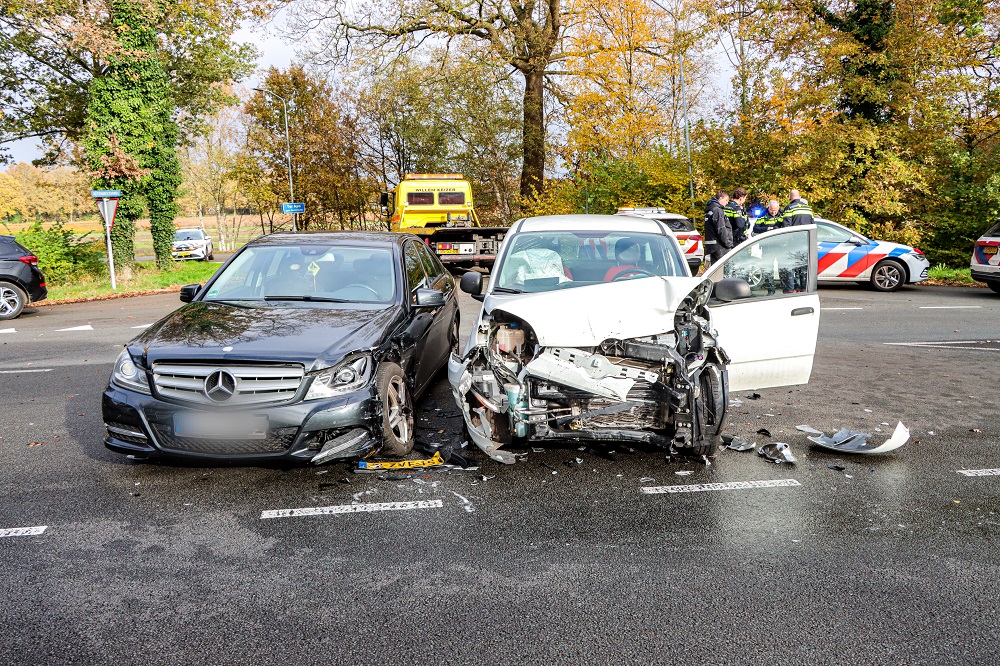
(142, 425)
(194, 253)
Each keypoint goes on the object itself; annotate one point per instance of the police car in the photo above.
(684, 231)
(847, 256)
(986, 258)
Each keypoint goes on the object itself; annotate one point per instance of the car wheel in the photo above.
(889, 275)
(995, 286)
(711, 408)
(397, 409)
(12, 300)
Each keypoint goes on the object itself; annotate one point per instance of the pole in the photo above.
(288, 153)
(111, 255)
(288, 158)
(684, 104)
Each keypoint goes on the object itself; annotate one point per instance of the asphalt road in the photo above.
(893, 559)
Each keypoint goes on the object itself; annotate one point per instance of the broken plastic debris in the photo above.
(737, 444)
(765, 432)
(838, 468)
(646, 479)
(868, 410)
(975, 430)
(537, 449)
(683, 472)
(809, 429)
(776, 452)
(753, 396)
(851, 441)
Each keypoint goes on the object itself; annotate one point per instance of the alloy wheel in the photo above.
(9, 301)
(399, 415)
(887, 277)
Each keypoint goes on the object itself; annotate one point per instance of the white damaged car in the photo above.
(593, 330)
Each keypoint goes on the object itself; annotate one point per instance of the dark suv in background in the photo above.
(20, 280)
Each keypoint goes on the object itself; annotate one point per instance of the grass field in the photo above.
(145, 277)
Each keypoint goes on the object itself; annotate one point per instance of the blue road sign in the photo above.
(106, 194)
(289, 208)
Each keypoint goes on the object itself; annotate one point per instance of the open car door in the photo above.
(771, 335)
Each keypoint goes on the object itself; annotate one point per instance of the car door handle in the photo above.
(802, 311)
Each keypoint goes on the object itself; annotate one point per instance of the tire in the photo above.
(888, 275)
(711, 411)
(12, 300)
(397, 409)
(994, 286)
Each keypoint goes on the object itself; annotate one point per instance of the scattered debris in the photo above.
(776, 452)
(433, 461)
(753, 396)
(345, 481)
(974, 430)
(852, 441)
(930, 432)
(838, 468)
(646, 479)
(737, 444)
(765, 432)
(813, 431)
(549, 467)
(537, 449)
(683, 472)
(481, 478)
(868, 410)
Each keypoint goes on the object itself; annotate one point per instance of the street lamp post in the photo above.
(288, 151)
(684, 105)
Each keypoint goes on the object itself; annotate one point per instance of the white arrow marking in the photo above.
(88, 327)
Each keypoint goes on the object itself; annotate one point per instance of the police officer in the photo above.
(771, 219)
(797, 211)
(718, 234)
(736, 216)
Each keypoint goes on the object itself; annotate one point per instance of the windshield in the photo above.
(188, 235)
(331, 273)
(993, 231)
(547, 260)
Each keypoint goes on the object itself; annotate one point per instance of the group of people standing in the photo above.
(726, 223)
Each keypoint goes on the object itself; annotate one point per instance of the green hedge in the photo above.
(64, 256)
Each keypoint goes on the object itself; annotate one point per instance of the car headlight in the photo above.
(346, 377)
(128, 375)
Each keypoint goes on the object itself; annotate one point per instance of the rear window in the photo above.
(420, 198)
(451, 198)
(10, 248)
(993, 231)
(682, 224)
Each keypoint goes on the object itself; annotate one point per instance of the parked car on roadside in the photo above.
(192, 244)
(625, 346)
(684, 231)
(986, 258)
(847, 256)
(21, 281)
(303, 347)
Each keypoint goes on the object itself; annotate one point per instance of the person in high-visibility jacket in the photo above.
(736, 216)
(771, 219)
(718, 234)
(797, 212)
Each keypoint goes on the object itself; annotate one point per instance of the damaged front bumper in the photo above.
(308, 431)
(668, 389)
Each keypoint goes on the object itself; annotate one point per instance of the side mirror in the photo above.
(383, 200)
(732, 289)
(189, 291)
(472, 283)
(430, 298)
(859, 241)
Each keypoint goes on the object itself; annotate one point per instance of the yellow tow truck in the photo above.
(439, 208)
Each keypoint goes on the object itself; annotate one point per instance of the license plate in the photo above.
(447, 251)
(208, 425)
(990, 249)
(183, 254)
(682, 241)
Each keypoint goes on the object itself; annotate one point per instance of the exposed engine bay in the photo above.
(668, 388)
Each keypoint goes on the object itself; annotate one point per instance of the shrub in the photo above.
(63, 255)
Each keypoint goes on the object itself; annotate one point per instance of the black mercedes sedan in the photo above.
(305, 347)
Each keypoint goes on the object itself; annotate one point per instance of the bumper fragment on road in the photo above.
(732, 485)
(351, 508)
(23, 531)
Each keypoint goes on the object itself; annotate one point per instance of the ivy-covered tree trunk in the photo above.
(130, 139)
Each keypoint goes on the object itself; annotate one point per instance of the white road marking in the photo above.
(948, 345)
(732, 485)
(143, 326)
(21, 372)
(88, 327)
(8, 330)
(23, 531)
(841, 308)
(951, 307)
(351, 508)
(979, 472)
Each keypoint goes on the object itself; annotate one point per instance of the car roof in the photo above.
(592, 222)
(189, 229)
(658, 213)
(331, 237)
